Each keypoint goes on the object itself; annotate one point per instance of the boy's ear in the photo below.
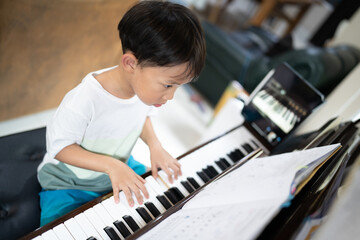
(129, 61)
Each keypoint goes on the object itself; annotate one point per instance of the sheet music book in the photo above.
(241, 203)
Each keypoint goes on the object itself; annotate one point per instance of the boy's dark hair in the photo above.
(163, 34)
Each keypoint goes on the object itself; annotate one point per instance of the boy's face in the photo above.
(156, 85)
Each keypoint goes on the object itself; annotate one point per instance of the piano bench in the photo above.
(20, 155)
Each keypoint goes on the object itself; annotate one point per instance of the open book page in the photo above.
(307, 172)
(236, 221)
(267, 178)
(240, 203)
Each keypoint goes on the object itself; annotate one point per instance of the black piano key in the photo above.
(203, 176)
(152, 208)
(221, 165)
(173, 199)
(213, 170)
(177, 193)
(122, 228)
(239, 154)
(224, 161)
(256, 145)
(236, 155)
(111, 233)
(131, 222)
(144, 214)
(193, 182)
(232, 156)
(208, 173)
(91, 238)
(247, 147)
(187, 186)
(162, 199)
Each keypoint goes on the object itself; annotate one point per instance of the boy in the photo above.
(90, 137)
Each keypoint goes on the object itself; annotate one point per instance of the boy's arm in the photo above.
(159, 157)
(122, 176)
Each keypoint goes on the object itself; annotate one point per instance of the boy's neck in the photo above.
(114, 81)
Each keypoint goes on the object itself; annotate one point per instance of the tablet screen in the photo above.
(280, 103)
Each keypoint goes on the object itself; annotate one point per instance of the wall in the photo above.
(47, 47)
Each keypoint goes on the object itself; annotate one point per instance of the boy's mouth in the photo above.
(157, 105)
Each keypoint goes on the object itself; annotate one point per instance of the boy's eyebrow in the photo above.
(174, 82)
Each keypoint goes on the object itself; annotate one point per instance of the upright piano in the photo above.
(103, 219)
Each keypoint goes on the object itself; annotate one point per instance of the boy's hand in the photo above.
(162, 159)
(124, 178)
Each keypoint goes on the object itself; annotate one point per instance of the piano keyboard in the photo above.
(107, 220)
(280, 114)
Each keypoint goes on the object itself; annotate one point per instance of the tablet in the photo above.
(281, 101)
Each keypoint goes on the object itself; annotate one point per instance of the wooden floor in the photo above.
(47, 47)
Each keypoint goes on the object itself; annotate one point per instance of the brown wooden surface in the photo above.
(47, 47)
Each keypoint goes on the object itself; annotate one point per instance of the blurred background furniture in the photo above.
(247, 55)
(267, 9)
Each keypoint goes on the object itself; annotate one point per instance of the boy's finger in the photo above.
(138, 195)
(169, 173)
(176, 171)
(116, 195)
(180, 172)
(141, 179)
(177, 163)
(154, 171)
(143, 190)
(129, 198)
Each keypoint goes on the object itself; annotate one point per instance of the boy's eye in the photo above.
(167, 86)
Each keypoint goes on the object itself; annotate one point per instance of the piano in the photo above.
(103, 219)
(276, 106)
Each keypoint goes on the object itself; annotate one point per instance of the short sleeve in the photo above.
(67, 127)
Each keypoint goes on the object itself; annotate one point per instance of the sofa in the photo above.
(249, 54)
(21, 154)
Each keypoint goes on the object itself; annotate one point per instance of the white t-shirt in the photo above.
(99, 122)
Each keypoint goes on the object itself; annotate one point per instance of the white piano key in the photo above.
(86, 226)
(155, 186)
(96, 222)
(49, 235)
(188, 171)
(176, 183)
(124, 210)
(136, 204)
(38, 238)
(153, 198)
(164, 186)
(109, 205)
(132, 210)
(62, 232)
(106, 218)
(74, 229)
(202, 161)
